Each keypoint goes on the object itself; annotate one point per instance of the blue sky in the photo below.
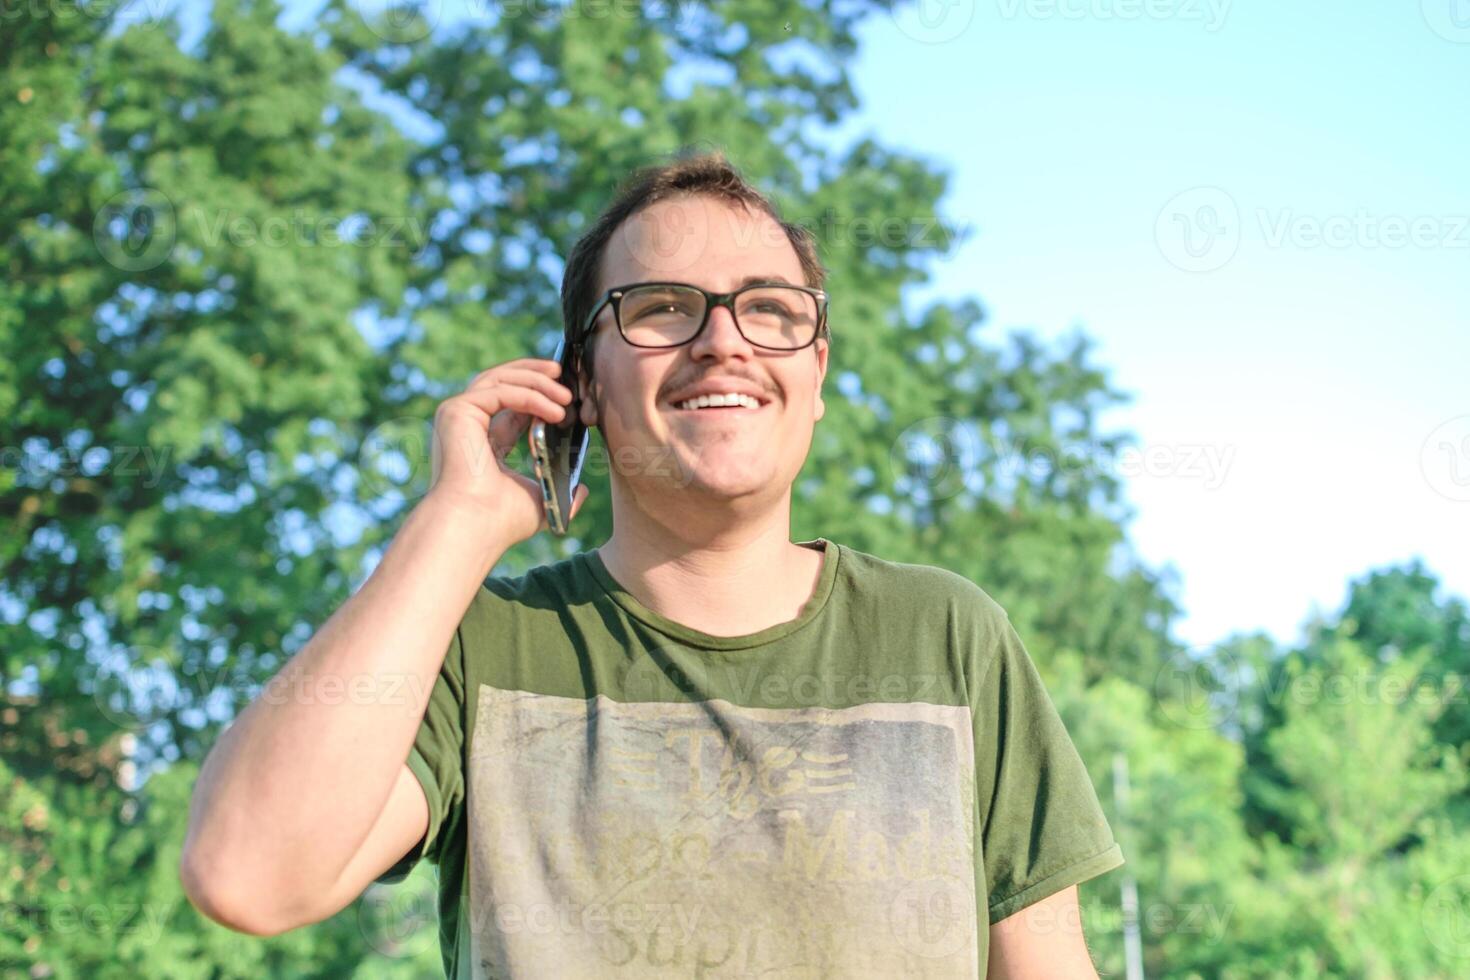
(1260, 213)
(1311, 335)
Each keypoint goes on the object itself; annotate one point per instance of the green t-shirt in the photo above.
(612, 794)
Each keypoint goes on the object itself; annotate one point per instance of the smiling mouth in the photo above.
(741, 405)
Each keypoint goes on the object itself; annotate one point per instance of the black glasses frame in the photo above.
(711, 300)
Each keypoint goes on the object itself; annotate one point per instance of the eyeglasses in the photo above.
(776, 316)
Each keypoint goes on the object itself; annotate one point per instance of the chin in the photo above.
(727, 482)
(728, 491)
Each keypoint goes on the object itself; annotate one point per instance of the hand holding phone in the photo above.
(497, 408)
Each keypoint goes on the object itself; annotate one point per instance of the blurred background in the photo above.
(1150, 318)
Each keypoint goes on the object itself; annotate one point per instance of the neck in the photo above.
(729, 570)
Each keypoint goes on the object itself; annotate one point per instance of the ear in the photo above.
(584, 392)
(819, 407)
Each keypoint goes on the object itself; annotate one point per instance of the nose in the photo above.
(720, 338)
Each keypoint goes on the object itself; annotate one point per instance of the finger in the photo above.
(538, 365)
(529, 487)
(494, 398)
(520, 375)
(522, 486)
(506, 429)
(536, 381)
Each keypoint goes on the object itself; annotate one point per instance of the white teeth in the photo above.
(720, 401)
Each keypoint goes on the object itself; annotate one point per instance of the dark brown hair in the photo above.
(689, 173)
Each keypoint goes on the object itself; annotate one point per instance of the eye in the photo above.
(771, 307)
(659, 307)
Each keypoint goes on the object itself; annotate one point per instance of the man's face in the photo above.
(723, 453)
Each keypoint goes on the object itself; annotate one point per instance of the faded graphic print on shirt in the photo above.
(709, 839)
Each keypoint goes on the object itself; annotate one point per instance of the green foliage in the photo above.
(1396, 610)
(236, 288)
(1180, 829)
(1343, 709)
(94, 890)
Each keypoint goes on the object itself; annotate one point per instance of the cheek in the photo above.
(806, 393)
(622, 406)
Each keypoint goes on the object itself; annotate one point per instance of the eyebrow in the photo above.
(748, 280)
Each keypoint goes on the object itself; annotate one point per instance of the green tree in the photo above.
(1181, 832)
(1346, 793)
(1361, 783)
(1396, 610)
(1348, 721)
(94, 888)
(164, 364)
(938, 446)
(235, 292)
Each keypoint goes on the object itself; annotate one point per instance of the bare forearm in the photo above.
(290, 791)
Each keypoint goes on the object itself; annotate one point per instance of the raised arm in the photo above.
(305, 798)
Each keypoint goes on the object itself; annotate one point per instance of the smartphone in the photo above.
(558, 450)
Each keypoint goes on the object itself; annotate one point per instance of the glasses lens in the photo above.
(777, 316)
(661, 316)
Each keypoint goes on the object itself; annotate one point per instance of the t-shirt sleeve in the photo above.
(1042, 828)
(436, 758)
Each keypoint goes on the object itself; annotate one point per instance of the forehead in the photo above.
(698, 239)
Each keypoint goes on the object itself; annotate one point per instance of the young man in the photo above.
(700, 749)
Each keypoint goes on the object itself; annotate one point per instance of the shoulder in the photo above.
(546, 588)
(553, 577)
(927, 589)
